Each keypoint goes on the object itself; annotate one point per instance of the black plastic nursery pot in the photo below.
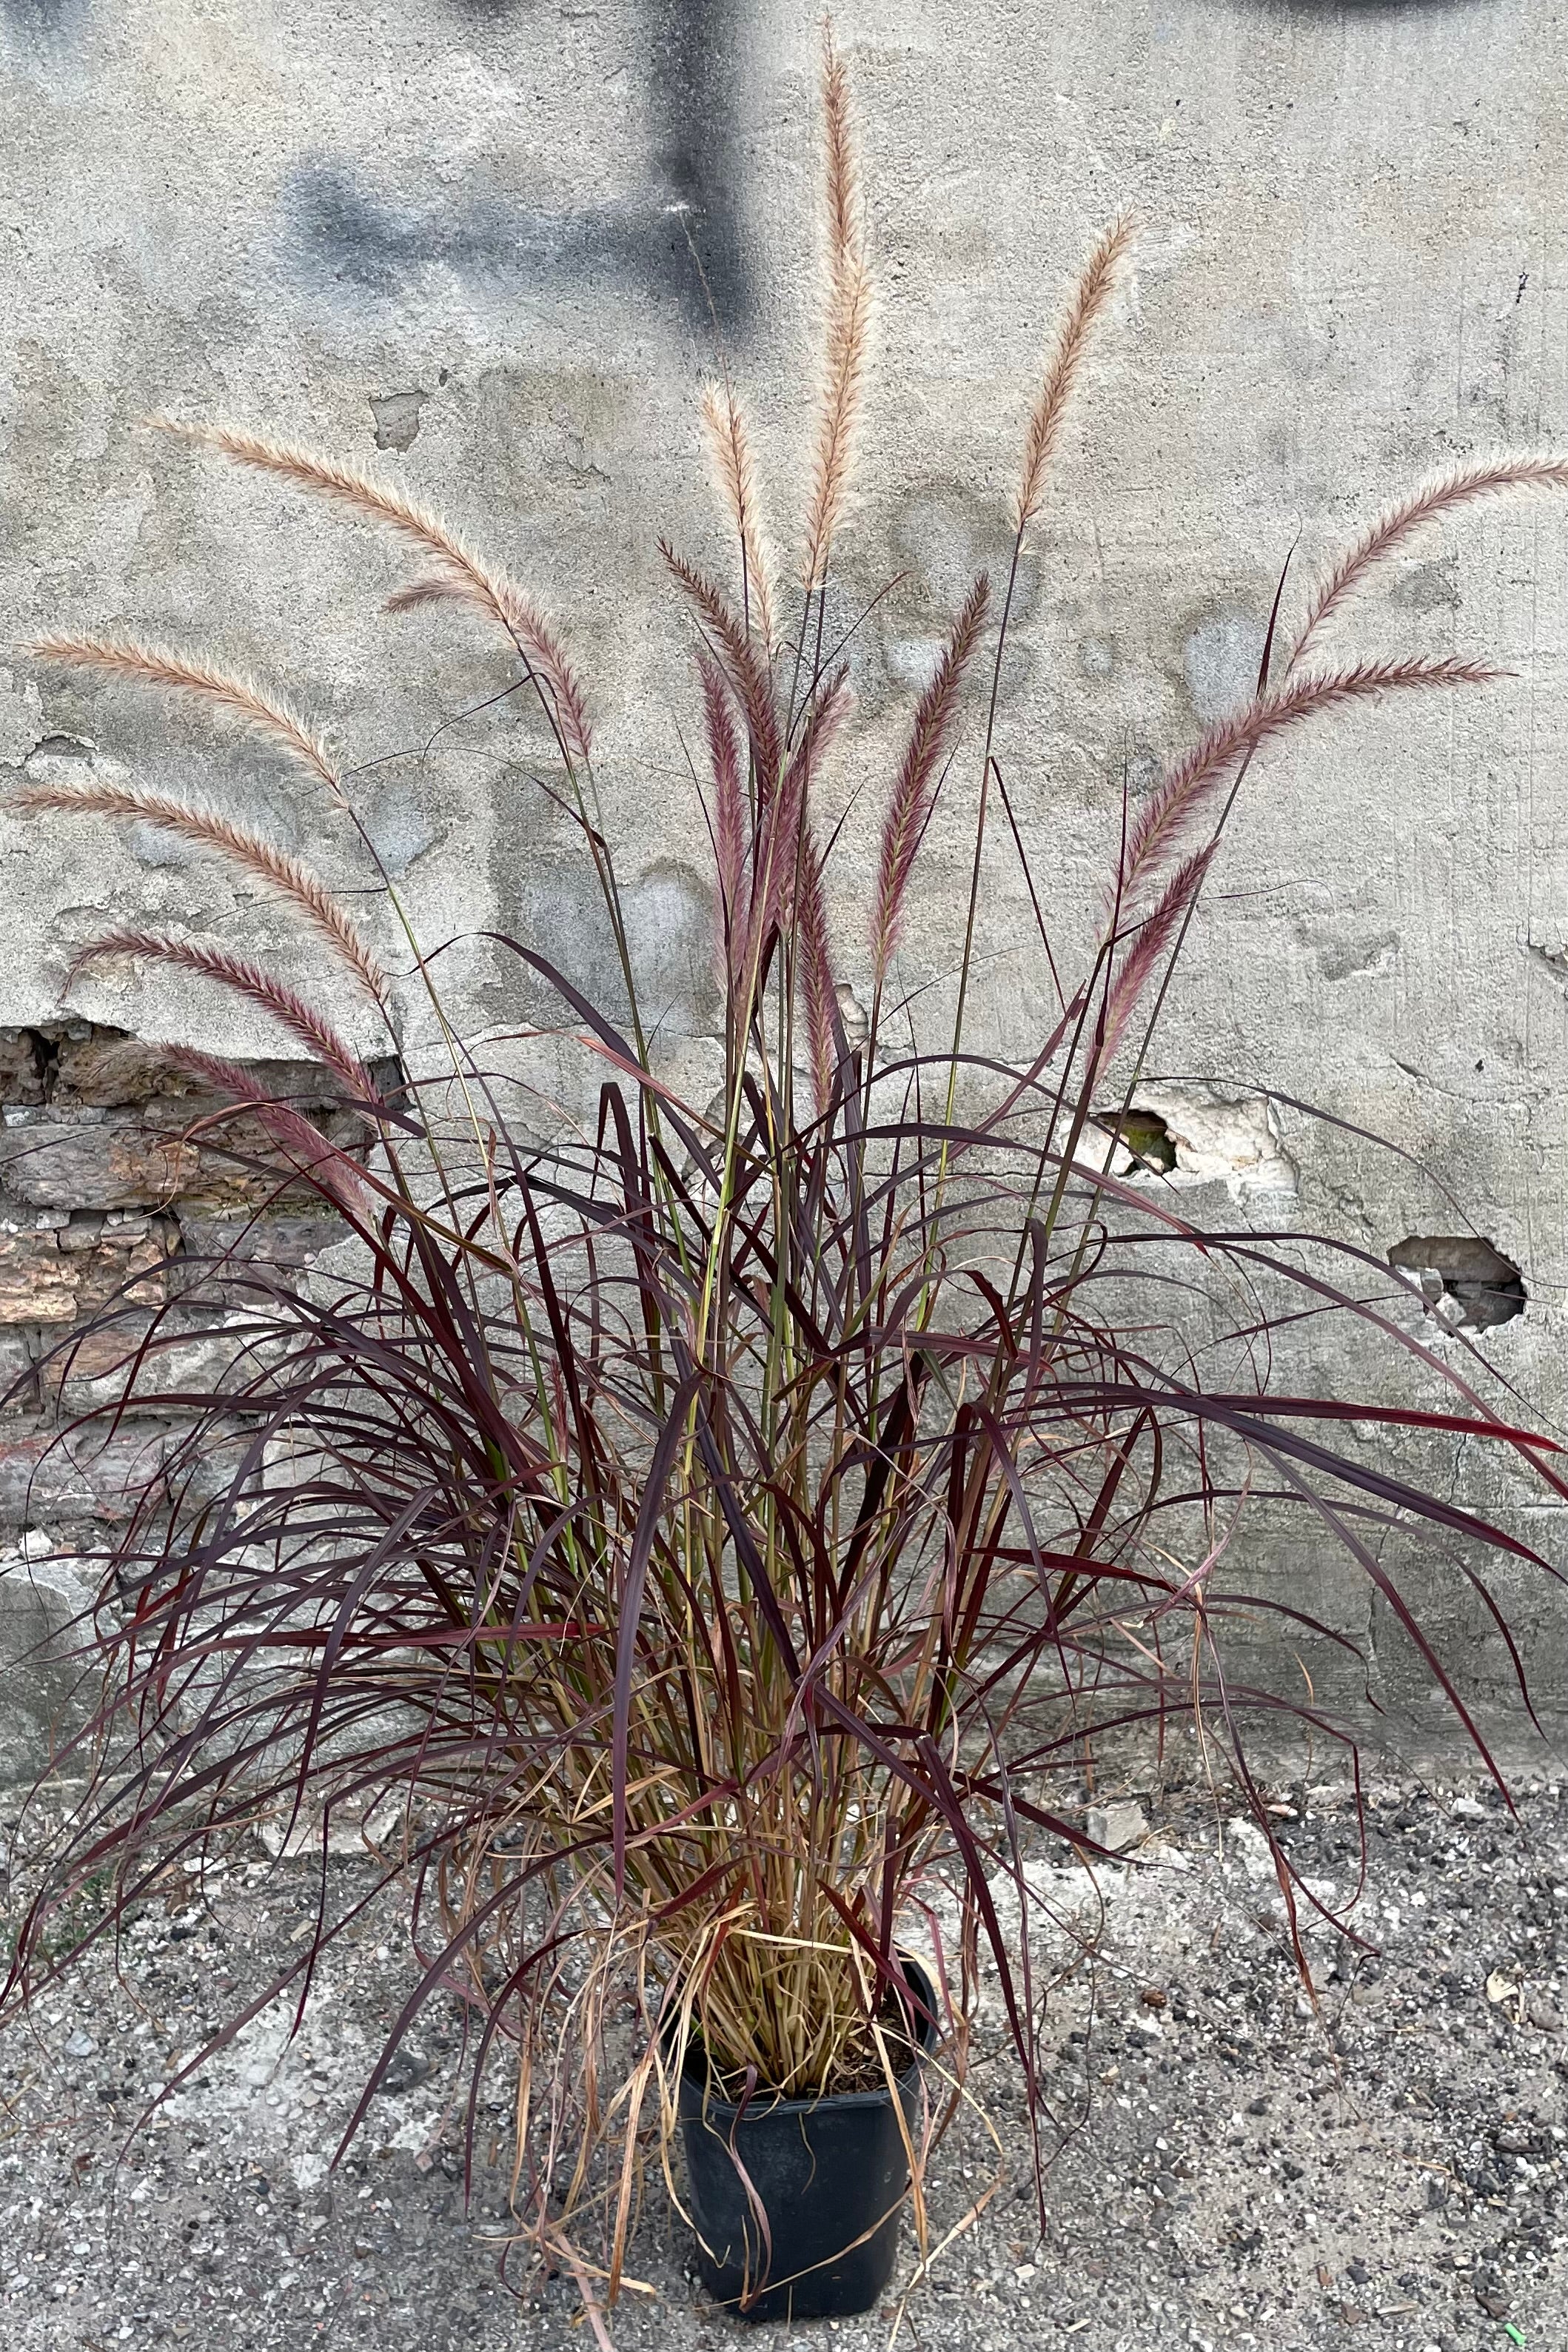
(829, 2174)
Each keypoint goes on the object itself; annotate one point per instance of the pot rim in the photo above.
(699, 2076)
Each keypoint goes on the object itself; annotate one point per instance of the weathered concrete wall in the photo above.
(445, 238)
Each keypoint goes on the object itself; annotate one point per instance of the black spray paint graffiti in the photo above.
(44, 20)
(689, 65)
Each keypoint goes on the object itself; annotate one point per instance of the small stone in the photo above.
(1466, 1809)
(407, 2069)
(1117, 1827)
(81, 2045)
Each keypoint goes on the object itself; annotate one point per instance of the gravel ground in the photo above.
(1234, 2170)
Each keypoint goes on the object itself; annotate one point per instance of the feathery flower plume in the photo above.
(1186, 790)
(744, 668)
(781, 832)
(144, 665)
(816, 975)
(730, 447)
(729, 806)
(458, 574)
(305, 1147)
(1392, 529)
(847, 323)
(1092, 292)
(841, 153)
(313, 1030)
(249, 850)
(1153, 938)
(909, 809)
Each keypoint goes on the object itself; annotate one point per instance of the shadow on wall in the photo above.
(43, 19)
(690, 69)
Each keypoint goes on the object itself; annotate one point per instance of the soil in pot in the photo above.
(797, 2202)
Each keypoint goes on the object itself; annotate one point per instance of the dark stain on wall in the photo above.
(651, 240)
(49, 17)
(695, 73)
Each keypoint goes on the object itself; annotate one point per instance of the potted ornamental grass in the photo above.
(722, 1526)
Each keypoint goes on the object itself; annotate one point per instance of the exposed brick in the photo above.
(38, 1284)
(143, 1159)
(225, 1248)
(51, 1162)
(18, 1379)
(59, 1276)
(50, 1478)
(135, 1267)
(109, 1068)
(21, 1066)
(121, 1181)
(109, 1361)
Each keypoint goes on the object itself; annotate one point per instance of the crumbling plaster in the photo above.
(447, 240)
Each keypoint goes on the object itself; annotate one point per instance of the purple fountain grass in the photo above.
(1090, 298)
(726, 1525)
(1184, 795)
(846, 326)
(729, 811)
(736, 475)
(458, 574)
(744, 667)
(1487, 479)
(156, 666)
(211, 961)
(260, 858)
(914, 791)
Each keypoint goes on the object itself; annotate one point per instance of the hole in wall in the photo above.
(1465, 1282)
(1144, 1133)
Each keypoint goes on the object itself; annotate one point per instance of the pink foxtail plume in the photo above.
(1189, 788)
(914, 793)
(1143, 958)
(816, 973)
(1392, 529)
(729, 807)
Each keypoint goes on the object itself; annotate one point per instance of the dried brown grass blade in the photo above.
(1391, 530)
(280, 872)
(460, 575)
(321, 1040)
(1092, 292)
